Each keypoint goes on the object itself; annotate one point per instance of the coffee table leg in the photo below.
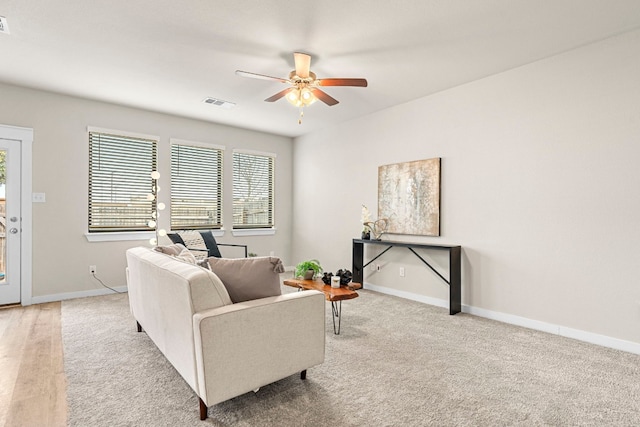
(336, 308)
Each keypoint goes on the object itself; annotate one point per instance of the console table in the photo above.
(455, 269)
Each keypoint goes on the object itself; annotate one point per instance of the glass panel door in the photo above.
(10, 221)
(3, 216)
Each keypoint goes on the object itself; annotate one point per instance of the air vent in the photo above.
(4, 26)
(219, 103)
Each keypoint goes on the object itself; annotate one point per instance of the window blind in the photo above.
(119, 181)
(253, 190)
(196, 187)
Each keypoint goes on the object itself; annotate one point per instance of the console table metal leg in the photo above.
(357, 263)
(336, 309)
(455, 279)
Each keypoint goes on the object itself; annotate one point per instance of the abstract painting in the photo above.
(409, 197)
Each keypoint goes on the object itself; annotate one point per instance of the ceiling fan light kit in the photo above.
(304, 86)
(301, 97)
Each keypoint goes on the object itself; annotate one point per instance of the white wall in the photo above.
(539, 185)
(61, 253)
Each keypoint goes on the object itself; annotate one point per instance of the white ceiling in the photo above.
(168, 55)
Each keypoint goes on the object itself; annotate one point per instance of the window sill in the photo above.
(253, 232)
(217, 232)
(120, 236)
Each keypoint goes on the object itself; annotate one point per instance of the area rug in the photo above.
(395, 363)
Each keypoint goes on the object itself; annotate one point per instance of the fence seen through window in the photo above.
(253, 190)
(196, 187)
(120, 181)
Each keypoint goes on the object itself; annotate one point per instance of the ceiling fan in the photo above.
(304, 87)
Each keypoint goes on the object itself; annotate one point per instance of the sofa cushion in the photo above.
(249, 278)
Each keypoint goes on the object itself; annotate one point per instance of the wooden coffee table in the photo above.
(334, 295)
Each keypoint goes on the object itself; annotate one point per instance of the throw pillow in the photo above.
(249, 278)
(194, 241)
(186, 256)
(177, 251)
(204, 264)
(170, 249)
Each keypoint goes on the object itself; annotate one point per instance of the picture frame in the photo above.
(409, 197)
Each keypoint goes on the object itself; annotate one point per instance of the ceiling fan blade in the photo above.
(324, 97)
(303, 63)
(279, 95)
(259, 76)
(342, 82)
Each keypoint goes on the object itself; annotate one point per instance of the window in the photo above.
(196, 187)
(120, 169)
(253, 188)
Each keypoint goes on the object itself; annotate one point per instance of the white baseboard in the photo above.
(73, 295)
(408, 295)
(590, 337)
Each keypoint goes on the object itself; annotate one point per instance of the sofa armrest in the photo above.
(247, 345)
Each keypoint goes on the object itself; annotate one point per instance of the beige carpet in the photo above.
(396, 363)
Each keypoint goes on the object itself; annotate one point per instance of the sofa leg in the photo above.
(139, 327)
(303, 375)
(203, 410)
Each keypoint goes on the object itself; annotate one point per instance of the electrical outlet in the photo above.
(92, 269)
(401, 271)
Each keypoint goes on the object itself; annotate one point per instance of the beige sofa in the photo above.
(222, 349)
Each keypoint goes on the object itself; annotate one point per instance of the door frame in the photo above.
(25, 138)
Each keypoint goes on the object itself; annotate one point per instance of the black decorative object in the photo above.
(345, 276)
(326, 278)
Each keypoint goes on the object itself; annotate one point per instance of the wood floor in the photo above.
(32, 380)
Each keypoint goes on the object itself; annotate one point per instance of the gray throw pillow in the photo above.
(249, 278)
(177, 251)
(186, 256)
(171, 249)
(204, 264)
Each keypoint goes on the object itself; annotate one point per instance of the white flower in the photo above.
(366, 215)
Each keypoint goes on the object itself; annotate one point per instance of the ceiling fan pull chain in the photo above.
(301, 114)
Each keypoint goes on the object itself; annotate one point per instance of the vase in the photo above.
(366, 235)
(335, 281)
(378, 227)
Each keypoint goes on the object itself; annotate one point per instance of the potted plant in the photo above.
(308, 269)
